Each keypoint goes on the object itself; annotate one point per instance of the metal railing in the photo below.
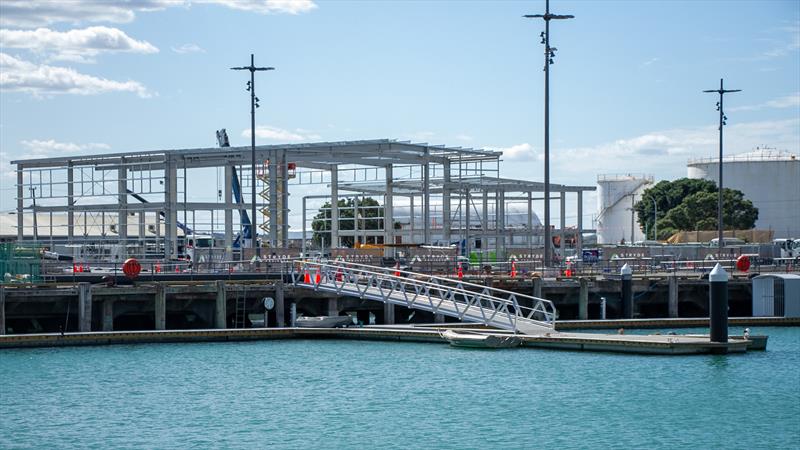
(464, 301)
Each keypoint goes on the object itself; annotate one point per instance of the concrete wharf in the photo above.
(187, 301)
(642, 344)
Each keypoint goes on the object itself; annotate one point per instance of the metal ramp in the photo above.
(466, 301)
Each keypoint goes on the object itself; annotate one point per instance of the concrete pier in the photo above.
(280, 313)
(537, 287)
(333, 306)
(646, 344)
(220, 311)
(388, 314)
(583, 300)
(85, 307)
(108, 314)
(2, 310)
(673, 296)
(161, 307)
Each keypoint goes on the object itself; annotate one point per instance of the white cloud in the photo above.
(281, 135)
(41, 80)
(30, 14)
(266, 6)
(422, 135)
(662, 153)
(787, 101)
(788, 44)
(43, 148)
(79, 45)
(519, 152)
(188, 48)
(650, 62)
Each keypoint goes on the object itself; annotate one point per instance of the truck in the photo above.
(789, 248)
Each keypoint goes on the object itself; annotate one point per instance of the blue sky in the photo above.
(93, 77)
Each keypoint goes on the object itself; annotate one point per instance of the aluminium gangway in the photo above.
(455, 298)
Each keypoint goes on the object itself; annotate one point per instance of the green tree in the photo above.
(699, 212)
(691, 204)
(369, 217)
(666, 195)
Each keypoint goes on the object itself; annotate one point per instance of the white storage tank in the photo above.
(768, 178)
(776, 295)
(616, 195)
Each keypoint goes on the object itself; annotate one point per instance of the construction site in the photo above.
(149, 204)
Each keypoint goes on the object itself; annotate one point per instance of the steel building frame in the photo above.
(110, 188)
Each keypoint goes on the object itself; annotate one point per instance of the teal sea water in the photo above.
(351, 394)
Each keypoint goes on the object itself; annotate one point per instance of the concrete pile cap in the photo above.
(718, 274)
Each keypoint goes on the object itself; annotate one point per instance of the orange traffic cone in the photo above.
(513, 269)
(397, 269)
(307, 277)
(317, 277)
(460, 272)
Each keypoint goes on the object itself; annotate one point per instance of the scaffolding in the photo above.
(135, 200)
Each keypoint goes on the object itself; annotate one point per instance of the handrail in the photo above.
(451, 290)
(445, 279)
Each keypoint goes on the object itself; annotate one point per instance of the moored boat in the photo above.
(323, 321)
(479, 340)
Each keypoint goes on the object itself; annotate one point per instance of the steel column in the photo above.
(20, 205)
(446, 204)
(563, 242)
(388, 213)
(426, 208)
(334, 225)
(228, 196)
(579, 231)
(70, 202)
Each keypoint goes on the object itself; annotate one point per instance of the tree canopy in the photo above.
(369, 217)
(691, 204)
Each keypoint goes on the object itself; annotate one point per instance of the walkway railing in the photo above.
(464, 301)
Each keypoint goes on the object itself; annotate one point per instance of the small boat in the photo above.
(478, 340)
(323, 321)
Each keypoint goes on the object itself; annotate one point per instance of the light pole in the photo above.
(251, 86)
(549, 54)
(35, 221)
(655, 220)
(722, 118)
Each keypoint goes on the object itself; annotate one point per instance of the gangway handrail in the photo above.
(497, 307)
(445, 279)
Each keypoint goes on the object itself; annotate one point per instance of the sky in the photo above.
(84, 77)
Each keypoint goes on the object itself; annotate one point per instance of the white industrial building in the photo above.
(616, 196)
(768, 178)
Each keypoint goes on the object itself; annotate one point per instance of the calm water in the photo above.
(346, 394)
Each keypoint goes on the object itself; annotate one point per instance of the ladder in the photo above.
(240, 316)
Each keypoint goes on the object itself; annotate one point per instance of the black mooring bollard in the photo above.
(718, 309)
(627, 291)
